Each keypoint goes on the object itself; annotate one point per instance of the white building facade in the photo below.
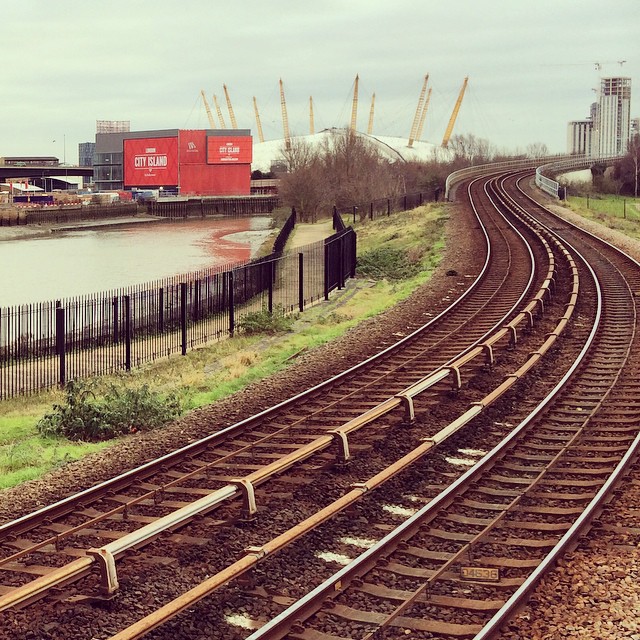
(612, 122)
(580, 137)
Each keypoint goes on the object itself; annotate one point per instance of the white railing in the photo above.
(547, 165)
(496, 167)
(551, 186)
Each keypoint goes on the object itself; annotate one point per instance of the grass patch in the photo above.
(614, 212)
(215, 371)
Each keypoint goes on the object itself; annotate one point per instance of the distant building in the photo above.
(113, 126)
(211, 162)
(612, 123)
(85, 154)
(580, 137)
(608, 128)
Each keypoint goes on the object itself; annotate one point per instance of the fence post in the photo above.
(333, 220)
(326, 271)
(624, 208)
(127, 333)
(420, 199)
(388, 207)
(270, 273)
(404, 202)
(232, 319)
(58, 305)
(354, 255)
(587, 201)
(301, 281)
(183, 316)
(370, 211)
(196, 301)
(60, 346)
(116, 320)
(161, 309)
(341, 263)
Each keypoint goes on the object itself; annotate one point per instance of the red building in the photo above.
(211, 162)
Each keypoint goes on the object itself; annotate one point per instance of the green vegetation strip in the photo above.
(614, 212)
(395, 256)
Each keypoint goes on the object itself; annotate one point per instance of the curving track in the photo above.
(380, 417)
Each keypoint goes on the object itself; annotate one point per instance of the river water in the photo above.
(87, 261)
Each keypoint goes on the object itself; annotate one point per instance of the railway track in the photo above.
(298, 444)
(463, 563)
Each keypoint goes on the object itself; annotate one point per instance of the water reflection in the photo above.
(87, 261)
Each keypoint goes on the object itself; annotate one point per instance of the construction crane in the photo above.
(354, 106)
(212, 122)
(370, 127)
(258, 123)
(418, 114)
(454, 115)
(423, 115)
(285, 118)
(311, 124)
(219, 111)
(234, 124)
(598, 65)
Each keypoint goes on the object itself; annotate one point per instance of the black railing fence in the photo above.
(380, 208)
(200, 207)
(46, 344)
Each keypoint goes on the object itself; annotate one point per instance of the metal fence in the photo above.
(380, 207)
(200, 207)
(47, 344)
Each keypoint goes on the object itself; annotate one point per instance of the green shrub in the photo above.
(265, 322)
(91, 418)
(389, 263)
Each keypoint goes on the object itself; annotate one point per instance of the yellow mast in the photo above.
(212, 122)
(423, 115)
(219, 110)
(354, 106)
(311, 123)
(258, 123)
(234, 124)
(416, 117)
(285, 118)
(454, 115)
(370, 127)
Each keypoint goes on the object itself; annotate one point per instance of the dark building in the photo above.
(85, 154)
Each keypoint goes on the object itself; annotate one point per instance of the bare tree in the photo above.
(537, 150)
(626, 171)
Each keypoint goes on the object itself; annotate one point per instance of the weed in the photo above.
(265, 322)
(89, 418)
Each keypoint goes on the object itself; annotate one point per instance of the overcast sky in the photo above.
(531, 65)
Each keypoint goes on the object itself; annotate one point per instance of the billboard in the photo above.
(229, 149)
(150, 162)
(193, 147)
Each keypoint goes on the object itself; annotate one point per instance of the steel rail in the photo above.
(106, 555)
(255, 555)
(569, 538)
(278, 626)
(63, 505)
